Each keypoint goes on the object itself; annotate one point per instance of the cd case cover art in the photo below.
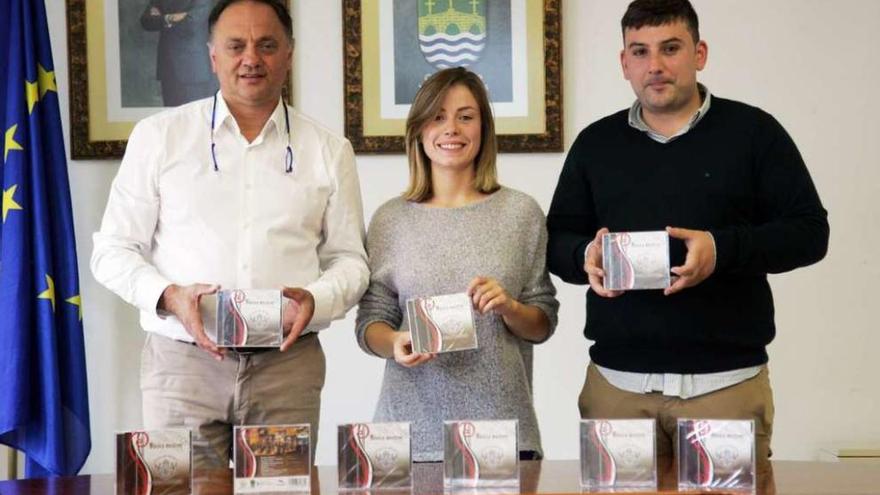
(272, 458)
(635, 260)
(154, 462)
(249, 318)
(716, 454)
(480, 453)
(441, 323)
(618, 453)
(374, 456)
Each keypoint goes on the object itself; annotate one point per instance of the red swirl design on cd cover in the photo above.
(607, 466)
(241, 329)
(463, 431)
(364, 468)
(423, 307)
(706, 473)
(250, 459)
(144, 480)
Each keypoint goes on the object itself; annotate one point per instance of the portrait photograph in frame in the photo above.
(129, 59)
(391, 46)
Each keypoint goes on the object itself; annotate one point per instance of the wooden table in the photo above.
(547, 477)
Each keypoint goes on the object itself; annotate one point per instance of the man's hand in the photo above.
(183, 302)
(593, 266)
(699, 262)
(487, 295)
(404, 354)
(297, 314)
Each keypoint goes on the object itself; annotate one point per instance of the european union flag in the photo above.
(44, 408)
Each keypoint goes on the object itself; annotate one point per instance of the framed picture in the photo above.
(130, 59)
(392, 46)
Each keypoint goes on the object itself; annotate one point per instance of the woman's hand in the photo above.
(489, 295)
(403, 352)
(526, 321)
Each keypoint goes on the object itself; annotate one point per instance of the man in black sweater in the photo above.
(728, 184)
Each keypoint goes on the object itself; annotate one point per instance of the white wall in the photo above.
(809, 62)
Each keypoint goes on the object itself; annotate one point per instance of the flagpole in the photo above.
(11, 464)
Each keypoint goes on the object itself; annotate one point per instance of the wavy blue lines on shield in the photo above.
(447, 51)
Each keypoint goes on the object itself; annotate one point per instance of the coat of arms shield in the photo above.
(452, 33)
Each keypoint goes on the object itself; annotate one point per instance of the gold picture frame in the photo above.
(370, 128)
(95, 131)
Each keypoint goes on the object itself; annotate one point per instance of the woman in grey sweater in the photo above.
(455, 230)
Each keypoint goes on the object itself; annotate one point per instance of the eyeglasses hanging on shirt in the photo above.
(288, 154)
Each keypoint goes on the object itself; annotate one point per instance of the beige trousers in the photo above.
(751, 399)
(184, 387)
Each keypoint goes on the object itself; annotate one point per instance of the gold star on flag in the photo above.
(49, 293)
(46, 80)
(76, 301)
(9, 143)
(32, 93)
(9, 201)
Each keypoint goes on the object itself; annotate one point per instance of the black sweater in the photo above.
(736, 174)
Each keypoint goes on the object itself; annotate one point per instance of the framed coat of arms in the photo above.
(392, 46)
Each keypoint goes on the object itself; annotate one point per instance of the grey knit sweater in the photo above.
(418, 250)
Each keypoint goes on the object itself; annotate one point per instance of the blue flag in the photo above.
(44, 408)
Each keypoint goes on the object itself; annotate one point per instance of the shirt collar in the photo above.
(223, 115)
(637, 122)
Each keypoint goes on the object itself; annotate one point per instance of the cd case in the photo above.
(480, 454)
(272, 458)
(716, 454)
(441, 323)
(374, 456)
(154, 462)
(249, 318)
(635, 260)
(618, 453)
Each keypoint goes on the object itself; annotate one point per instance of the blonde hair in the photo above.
(424, 108)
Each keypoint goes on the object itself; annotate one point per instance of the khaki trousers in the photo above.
(184, 387)
(751, 399)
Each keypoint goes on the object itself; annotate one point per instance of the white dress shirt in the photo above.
(172, 218)
(683, 386)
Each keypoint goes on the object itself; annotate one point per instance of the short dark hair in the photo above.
(641, 13)
(277, 5)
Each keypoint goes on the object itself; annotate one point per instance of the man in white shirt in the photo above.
(234, 191)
